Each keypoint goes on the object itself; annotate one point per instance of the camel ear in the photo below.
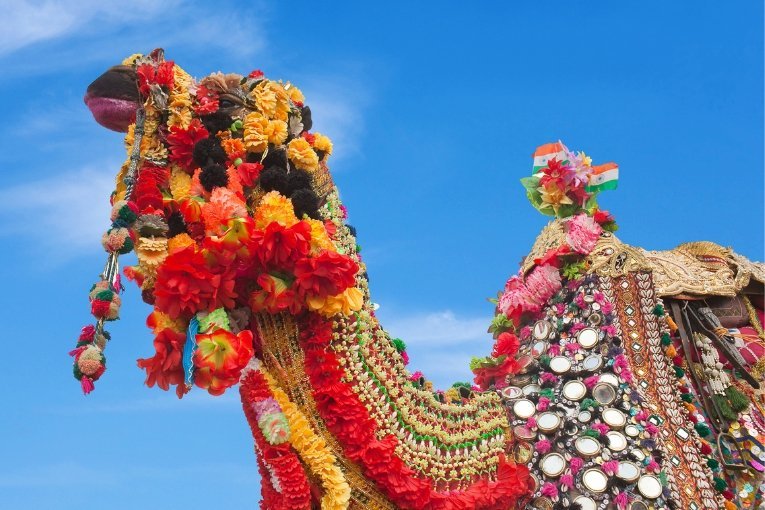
(158, 55)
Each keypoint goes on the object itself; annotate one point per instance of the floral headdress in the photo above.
(219, 199)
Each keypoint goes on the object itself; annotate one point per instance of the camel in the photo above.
(619, 378)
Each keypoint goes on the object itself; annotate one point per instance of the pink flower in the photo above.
(575, 464)
(582, 233)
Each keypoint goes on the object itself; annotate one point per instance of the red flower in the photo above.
(182, 143)
(249, 173)
(507, 343)
(160, 174)
(280, 247)
(273, 296)
(556, 172)
(147, 195)
(309, 137)
(220, 358)
(207, 101)
(551, 256)
(161, 75)
(328, 274)
(256, 74)
(186, 285)
(488, 376)
(191, 210)
(165, 368)
(602, 217)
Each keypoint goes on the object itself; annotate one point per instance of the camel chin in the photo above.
(113, 98)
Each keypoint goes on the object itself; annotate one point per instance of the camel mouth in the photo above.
(113, 97)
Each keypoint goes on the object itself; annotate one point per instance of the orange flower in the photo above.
(348, 301)
(273, 296)
(302, 154)
(234, 147)
(224, 205)
(274, 207)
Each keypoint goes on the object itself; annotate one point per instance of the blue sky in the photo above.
(434, 113)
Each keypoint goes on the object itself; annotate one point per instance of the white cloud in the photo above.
(442, 328)
(28, 21)
(68, 212)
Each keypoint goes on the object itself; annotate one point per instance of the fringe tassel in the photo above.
(738, 401)
(725, 408)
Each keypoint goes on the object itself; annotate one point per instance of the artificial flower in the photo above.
(322, 143)
(582, 233)
(272, 100)
(256, 132)
(207, 101)
(273, 296)
(327, 274)
(224, 205)
(180, 183)
(165, 368)
(234, 148)
(274, 207)
(302, 155)
(320, 240)
(348, 301)
(554, 195)
(160, 75)
(279, 247)
(181, 144)
(277, 132)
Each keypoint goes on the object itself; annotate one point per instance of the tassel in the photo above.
(87, 384)
(725, 409)
(188, 352)
(738, 401)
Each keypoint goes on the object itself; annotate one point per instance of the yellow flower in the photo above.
(179, 242)
(296, 96)
(179, 102)
(272, 100)
(320, 240)
(348, 301)
(302, 154)
(277, 131)
(274, 207)
(553, 196)
(322, 143)
(151, 252)
(313, 450)
(131, 59)
(180, 183)
(256, 132)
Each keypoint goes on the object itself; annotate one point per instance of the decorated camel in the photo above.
(619, 378)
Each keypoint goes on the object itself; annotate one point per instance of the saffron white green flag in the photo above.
(603, 177)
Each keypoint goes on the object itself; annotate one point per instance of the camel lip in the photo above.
(112, 113)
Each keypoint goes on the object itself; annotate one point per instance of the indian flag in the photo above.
(603, 177)
(546, 152)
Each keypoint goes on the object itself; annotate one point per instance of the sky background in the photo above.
(434, 113)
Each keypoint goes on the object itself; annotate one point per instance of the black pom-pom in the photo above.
(175, 224)
(305, 115)
(575, 506)
(298, 179)
(213, 176)
(274, 178)
(351, 229)
(217, 121)
(253, 157)
(275, 157)
(208, 151)
(305, 201)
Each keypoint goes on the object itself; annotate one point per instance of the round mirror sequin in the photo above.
(560, 364)
(548, 422)
(595, 480)
(512, 392)
(649, 486)
(604, 393)
(531, 389)
(632, 430)
(553, 464)
(541, 330)
(574, 390)
(586, 503)
(523, 408)
(613, 417)
(587, 446)
(628, 471)
(584, 416)
(592, 362)
(610, 379)
(587, 338)
(617, 442)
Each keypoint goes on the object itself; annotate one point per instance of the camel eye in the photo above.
(227, 103)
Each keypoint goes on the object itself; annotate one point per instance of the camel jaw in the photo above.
(113, 98)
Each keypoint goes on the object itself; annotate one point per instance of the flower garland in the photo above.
(284, 482)
(349, 421)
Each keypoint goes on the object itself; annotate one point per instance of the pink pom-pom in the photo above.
(572, 348)
(651, 429)
(566, 481)
(543, 404)
(611, 467)
(591, 381)
(653, 466)
(531, 422)
(553, 350)
(550, 490)
(602, 428)
(575, 464)
(543, 446)
(547, 377)
(642, 415)
(621, 501)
